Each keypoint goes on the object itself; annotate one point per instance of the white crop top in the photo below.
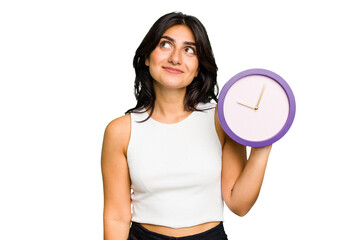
(175, 170)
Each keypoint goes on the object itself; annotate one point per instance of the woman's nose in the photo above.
(175, 57)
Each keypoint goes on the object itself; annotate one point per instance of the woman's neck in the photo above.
(169, 106)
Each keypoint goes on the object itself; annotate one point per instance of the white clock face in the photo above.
(256, 107)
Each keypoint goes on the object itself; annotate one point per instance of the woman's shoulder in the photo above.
(119, 124)
(117, 132)
(206, 106)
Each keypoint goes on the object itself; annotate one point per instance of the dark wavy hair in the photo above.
(203, 88)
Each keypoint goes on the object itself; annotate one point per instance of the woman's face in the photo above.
(174, 63)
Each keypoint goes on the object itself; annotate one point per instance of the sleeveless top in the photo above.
(175, 170)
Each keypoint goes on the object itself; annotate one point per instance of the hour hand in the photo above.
(247, 105)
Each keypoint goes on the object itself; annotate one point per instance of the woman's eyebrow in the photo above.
(172, 40)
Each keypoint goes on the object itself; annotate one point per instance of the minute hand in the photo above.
(261, 94)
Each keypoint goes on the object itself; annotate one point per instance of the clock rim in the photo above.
(281, 82)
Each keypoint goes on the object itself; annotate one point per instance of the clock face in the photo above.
(256, 107)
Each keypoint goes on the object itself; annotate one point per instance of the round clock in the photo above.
(256, 107)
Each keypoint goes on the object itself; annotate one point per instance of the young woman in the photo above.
(170, 149)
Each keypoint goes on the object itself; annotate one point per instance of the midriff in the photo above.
(180, 232)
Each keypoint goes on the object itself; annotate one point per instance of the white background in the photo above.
(66, 72)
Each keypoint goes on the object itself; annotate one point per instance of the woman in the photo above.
(170, 149)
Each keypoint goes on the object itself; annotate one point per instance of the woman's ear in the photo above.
(147, 62)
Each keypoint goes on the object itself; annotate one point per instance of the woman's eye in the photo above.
(190, 50)
(165, 44)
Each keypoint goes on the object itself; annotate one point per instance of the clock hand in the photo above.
(247, 105)
(261, 94)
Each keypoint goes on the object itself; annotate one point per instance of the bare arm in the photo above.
(116, 180)
(241, 177)
(246, 188)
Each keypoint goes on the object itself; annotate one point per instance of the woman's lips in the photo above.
(172, 70)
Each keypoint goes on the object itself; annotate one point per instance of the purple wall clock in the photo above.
(256, 107)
